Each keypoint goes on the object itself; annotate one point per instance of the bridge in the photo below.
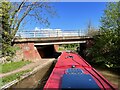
(34, 44)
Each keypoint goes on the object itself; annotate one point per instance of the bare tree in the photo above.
(40, 11)
(91, 30)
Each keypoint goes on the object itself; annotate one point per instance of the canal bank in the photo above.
(37, 78)
(33, 79)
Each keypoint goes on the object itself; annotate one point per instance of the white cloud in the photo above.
(37, 28)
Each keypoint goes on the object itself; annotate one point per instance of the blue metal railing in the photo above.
(49, 33)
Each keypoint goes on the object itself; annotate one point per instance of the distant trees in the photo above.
(91, 30)
(106, 50)
(70, 46)
(13, 15)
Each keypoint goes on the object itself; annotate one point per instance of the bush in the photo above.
(106, 49)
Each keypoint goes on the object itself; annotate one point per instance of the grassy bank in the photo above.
(12, 77)
(7, 67)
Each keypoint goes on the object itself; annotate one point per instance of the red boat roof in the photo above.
(67, 60)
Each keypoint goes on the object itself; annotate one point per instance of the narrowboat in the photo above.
(72, 72)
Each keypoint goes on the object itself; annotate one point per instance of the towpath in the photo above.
(26, 67)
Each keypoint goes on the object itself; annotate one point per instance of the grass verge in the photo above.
(7, 67)
(12, 77)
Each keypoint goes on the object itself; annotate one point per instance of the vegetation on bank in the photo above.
(106, 49)
(12, 17)
(12, 77)
(66, 47)
(7, 67)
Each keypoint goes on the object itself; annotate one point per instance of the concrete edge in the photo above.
(25, 76)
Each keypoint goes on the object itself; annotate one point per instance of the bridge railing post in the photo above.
(57, 33)
(62, 33)
(78, 32)
(48, 33)
(34, 34)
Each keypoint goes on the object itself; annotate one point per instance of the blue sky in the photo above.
(74, 15)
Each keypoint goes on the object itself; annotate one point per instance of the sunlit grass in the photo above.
(12, 77)
(7, 67)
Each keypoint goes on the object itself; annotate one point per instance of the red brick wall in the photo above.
(32, 53)
(29, 52)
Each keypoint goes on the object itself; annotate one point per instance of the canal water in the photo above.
(43, 81)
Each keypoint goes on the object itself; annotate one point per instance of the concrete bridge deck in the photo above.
(52, 39)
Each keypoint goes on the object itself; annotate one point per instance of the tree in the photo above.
(92, 31)
(6, 34)
(40, 11)
(13, 15)
(107, 45)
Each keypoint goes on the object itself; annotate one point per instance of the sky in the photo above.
(73, 15)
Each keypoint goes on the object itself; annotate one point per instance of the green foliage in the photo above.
(106, 49)
(7, 49)
(92, 32)
(12, 77)
(7, 67)
(69, 46)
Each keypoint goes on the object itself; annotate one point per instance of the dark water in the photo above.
(42, 82)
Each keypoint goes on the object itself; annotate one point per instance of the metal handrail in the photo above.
(49, 33)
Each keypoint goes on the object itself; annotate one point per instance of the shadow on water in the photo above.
(56, 55)
(43, 81)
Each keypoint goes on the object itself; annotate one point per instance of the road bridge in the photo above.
(42, 44)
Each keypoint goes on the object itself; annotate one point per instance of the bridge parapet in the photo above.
(50, 33)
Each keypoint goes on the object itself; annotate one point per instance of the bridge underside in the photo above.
(57, 43)
(48, 51)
